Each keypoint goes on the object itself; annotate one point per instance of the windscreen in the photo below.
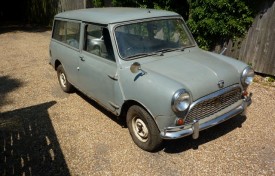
(152, 36)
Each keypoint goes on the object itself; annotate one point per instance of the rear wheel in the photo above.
(143, 129)
(62, 79)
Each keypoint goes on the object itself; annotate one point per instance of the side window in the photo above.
(59, 32)
(98, 41)
(67, 32)
(72, 35)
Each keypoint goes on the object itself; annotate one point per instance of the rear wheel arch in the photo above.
(65, 85)
(56, 64)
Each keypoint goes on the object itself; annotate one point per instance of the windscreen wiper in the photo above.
(169, 49)
(143, 54)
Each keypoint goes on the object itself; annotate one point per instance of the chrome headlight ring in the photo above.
(247, 76)
(181, 101)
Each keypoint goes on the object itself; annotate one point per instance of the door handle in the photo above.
(82, 58)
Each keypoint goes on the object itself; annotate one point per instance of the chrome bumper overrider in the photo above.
(179, 131)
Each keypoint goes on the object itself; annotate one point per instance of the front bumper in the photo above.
(179, 131)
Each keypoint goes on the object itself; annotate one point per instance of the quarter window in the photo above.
(67, 32)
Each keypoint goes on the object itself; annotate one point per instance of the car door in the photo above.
(98, 68)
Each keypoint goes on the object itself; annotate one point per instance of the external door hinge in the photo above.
(113, 77)
(113, 105)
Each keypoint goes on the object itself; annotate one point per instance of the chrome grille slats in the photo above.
(213, 105)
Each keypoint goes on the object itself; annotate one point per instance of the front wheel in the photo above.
(62, 79)
(143, 129)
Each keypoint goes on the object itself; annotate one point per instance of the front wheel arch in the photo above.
(143, 129)
(127, 104)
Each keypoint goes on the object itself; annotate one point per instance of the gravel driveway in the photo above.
(44, 131)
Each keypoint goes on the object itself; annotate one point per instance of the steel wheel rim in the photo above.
(62, 79)
(140, 129)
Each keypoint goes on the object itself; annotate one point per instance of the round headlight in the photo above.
(247, 76)
(180, 101)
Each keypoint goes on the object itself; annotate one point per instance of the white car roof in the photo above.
(113, 14)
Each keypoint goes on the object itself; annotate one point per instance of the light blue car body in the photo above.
(114, 86)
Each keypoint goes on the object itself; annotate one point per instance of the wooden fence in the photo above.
(258, 47)
(65, 5)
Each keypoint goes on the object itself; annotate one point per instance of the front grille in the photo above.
(211, 106)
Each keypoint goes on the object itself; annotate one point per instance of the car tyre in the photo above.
(63, 81)
(143, 129)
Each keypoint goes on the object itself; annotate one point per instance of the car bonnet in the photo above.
(198, 71)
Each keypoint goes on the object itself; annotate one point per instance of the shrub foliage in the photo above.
(211, 21)
(215, 21)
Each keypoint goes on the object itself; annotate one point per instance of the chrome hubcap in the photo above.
(62, 78)
(140, 129)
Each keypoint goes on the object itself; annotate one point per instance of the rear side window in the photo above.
(67, 32)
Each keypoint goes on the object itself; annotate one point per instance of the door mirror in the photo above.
(135, 67)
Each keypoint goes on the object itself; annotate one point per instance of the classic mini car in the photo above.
(152, 72)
